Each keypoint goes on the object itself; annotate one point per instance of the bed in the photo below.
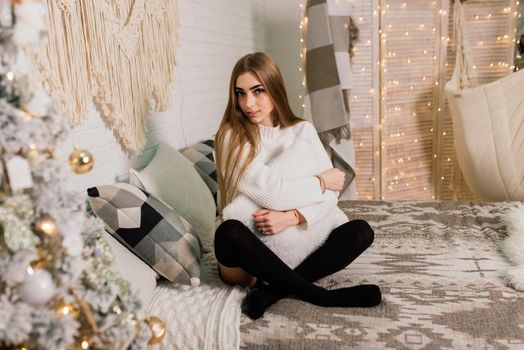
(439, 269)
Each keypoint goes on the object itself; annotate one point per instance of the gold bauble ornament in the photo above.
(21, 347)
(46, 226)
(158, 328)
(81, 161)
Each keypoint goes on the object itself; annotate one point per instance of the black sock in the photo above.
(236, 246)
(344, 244)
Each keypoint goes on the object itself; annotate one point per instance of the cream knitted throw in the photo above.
(206, 317)
(119, 53)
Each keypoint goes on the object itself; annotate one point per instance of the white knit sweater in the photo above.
(281, 177)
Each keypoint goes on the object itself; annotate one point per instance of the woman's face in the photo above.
(254, 100)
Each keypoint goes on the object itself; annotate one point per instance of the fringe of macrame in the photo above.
(343, 132)
(60, 61)
(122, 56)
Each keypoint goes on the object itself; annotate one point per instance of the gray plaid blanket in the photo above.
(330, 36)
(329, 43)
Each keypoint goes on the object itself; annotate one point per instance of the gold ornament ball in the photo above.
(81, 161)
(46, 226)
(158, 328)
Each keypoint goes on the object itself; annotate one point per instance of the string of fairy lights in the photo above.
(303, 47)
(407, 108)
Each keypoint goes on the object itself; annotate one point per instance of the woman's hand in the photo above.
(270, 222)
(333, 179)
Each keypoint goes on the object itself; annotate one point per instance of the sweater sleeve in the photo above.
(274, 191)
(309, 133)
(316, 212)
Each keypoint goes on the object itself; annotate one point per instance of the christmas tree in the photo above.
(56, 288)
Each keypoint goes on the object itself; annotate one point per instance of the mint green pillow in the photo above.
(171, 177)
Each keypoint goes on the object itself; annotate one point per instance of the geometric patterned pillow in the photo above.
(149, 228)
(201, 155)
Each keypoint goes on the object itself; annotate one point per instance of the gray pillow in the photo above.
(171, 177)
(202, 157)
(150, 229)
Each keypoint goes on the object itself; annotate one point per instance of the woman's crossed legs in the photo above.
(244, 259)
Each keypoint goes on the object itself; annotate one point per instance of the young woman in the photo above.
(258, 125)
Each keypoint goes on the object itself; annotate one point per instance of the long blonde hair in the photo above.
(241, 133)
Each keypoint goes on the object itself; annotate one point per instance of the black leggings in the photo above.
(237, 246)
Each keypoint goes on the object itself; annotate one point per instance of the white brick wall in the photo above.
(213, 35)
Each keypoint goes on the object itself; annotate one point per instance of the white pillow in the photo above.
(292, 244)
(140, 276)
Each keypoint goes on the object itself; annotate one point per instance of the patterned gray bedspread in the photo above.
(441, 276)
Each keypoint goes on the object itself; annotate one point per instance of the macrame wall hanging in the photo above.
(118, 53)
